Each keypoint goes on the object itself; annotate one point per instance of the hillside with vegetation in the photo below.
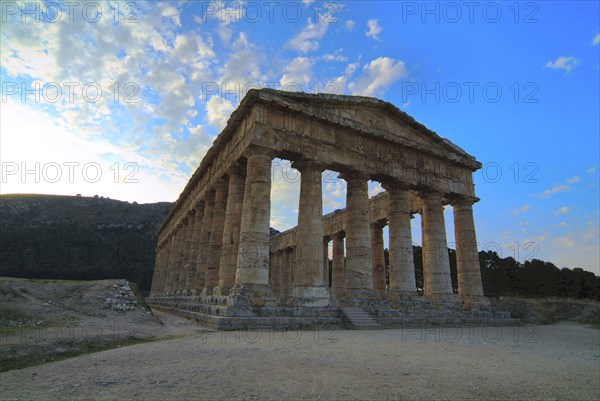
(78, 238)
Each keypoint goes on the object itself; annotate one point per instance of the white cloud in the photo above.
(596, 39)
(573, 180)
(59, 146)
(374, 29)
(591, 169)
(563, 63)
(298, 72)
(563, 210)
(342, 80)
(308, 38)
(521, 209)
(218, 111)
(349, 25)
(375, 190)
(562, 224)
(553, 190)
(243, 66)
(562, 242)
(335, 56)
(377, 76)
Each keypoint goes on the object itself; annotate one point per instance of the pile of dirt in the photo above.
(44, 320)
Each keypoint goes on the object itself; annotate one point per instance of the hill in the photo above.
(79, 238)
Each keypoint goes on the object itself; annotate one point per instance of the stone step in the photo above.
(359, 319)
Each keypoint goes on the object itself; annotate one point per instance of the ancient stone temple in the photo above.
(217, 262)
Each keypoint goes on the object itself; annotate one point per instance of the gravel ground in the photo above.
(555, 362)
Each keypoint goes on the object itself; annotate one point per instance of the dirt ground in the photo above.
(554, 362)
(181, 360)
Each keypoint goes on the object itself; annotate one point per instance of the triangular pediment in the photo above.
(370, 116)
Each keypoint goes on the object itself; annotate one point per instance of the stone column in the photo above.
(337, 266)
(181, 242)
(470, 287)
(358, 275)
(402, 266)
(213, 261)
(436, 266)
(164, 281)
(231, 229)
(209, 204)
(156, 272)
(378, 257)
(275, 275)
(308, 277)
(252, 273)
(191, 284)
(172, 260)
(326, 261)
(178, 248)
(170, 273)
(286, 273)
(185, 265)
(162, 266)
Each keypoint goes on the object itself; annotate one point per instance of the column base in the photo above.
(361, 293)
(221, 291)
(252, 295)
(443, 298)
(311, 296)
(397, 295)
(475, 303)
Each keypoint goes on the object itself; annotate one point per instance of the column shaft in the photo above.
(209, 204)
(467, 258)
(358, 275)
(231, 229)
(286, 274)
(216, 235)
(337, 266)
(402, 266)
(185, 259)
(378, 258)
(326, 261)
(253, 251)
(195, 247)
(436, 266)
(172, 262)
(309, 234)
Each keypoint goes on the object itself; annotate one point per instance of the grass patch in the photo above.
(68, 349)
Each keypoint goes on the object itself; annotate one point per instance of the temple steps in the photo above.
(223, 313)
(358, 319)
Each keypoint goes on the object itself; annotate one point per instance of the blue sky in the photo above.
(124, 98)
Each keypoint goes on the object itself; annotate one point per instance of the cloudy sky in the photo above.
(122, 99)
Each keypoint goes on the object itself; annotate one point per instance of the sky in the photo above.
(123, 99)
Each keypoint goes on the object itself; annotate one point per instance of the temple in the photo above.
(217, 262)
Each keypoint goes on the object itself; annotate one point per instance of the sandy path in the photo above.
(548, 362)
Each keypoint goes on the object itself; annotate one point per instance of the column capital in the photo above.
(236, 168)
(209, 196)
(338, 235)
(463, 202)
(255, 150)
(430, 195)
(354, 175)
(221, 184)
(306, 163)
(379, 223)
(199, 206)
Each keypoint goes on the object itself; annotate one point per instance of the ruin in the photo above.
(217, 262)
